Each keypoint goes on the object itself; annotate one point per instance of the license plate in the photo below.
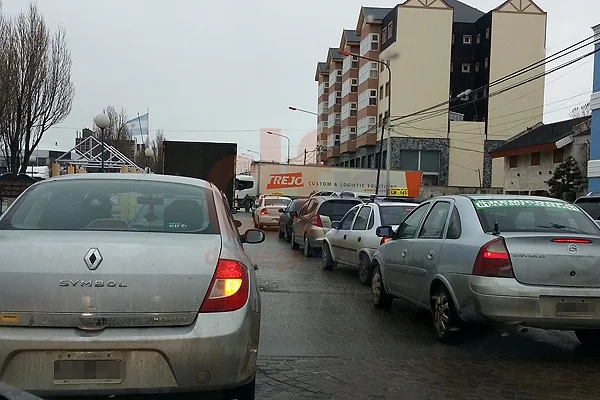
(575, 307)
(89, 368)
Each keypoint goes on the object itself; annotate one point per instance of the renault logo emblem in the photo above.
(93, 259)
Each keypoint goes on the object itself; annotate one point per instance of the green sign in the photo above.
(482, 204)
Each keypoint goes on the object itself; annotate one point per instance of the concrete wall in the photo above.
(467, 142)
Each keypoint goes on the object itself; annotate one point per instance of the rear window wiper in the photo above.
(561, 227)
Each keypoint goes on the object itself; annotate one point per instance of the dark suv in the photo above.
(591, 205)
(286, 219)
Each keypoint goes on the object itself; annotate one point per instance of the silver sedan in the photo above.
(516, 261)
(149, 293)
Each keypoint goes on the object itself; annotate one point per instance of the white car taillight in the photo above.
(229, 288)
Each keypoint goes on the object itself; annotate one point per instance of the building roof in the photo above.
(321, 69)
(464, 12)
(541, 135)
(376, 13)
(335, 54)
(351, 36)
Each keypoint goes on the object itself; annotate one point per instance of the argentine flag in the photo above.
(137, 126)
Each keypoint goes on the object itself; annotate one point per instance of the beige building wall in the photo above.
(419, 78)
(466, 154)
(518, 40)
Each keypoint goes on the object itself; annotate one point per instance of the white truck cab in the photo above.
(246, 191)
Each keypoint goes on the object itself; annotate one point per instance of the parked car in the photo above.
(353, 241)
(591, 205)
(286, 219)
(324, 193)
(314, 220)
(267, 213)
(124, 294)
(521, 261)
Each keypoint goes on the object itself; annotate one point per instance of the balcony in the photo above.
(333, 151)
(348, 147)
(369, 139)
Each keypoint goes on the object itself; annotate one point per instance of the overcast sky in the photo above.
(222, 70)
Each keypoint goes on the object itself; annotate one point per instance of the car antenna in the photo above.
(496, 228)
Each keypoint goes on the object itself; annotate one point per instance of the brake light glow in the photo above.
(263, 211)
(572, 240)
(384, 240)
(493, 260)
(316, 221)
(229, 288)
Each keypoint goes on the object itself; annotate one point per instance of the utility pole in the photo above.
(304, 156)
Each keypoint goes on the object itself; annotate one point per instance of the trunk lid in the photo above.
(537, 260)
(274, 210)
(46, 272)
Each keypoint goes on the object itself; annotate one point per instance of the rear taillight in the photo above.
(572, 240)
(316, 221)
(384, 240)
(229, 288)
(493, 260)
(263, 211)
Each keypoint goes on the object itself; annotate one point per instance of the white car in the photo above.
(353, 241)
(267, 211)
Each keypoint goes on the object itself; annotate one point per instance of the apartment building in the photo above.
(438, 51)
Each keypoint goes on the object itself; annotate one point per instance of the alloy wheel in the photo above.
(442, 314)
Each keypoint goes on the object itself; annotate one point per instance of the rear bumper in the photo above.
(315, 236)
(217, 352)
(505, 301)
(268, 220)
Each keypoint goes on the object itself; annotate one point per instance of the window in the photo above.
(513, 161)
(433, 227)
(380, 117)
(478, 38)
(590, 205)
(381, 67)
(466, 68)
(476, 67)
(336, 209)
(467, 39)
(383, 35)
(373, 97)
(487, 33)
(338, 78)
(374, 42)
(408, 228)
(373, 73)
(354, 62)
(354, 85)
(92, 205)
(487, 62)
(454, 226)
(353, 108)
(346, 222)
(381, 92)
(558, 156)
(387, 89)
(394, 214)
(535, 158)
(430, 161)
(390, 29)
(451, 67)
(360, 223)
(453, 38)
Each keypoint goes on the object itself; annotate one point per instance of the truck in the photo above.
(297, 181)
(210, 161)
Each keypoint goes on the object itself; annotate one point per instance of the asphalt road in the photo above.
(321, 338)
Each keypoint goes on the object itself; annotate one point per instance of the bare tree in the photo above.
(158, 149)
(116, 134)
(36, 91)
(581, 111)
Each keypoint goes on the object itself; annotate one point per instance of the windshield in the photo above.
(336, 209)
(121, 205)
(590, 205)
(277, 202)
(394, 215)
(516, 215)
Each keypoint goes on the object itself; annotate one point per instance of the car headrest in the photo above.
(184, 215)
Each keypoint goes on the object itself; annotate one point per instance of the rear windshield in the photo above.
(115, 205)
(336, 209)
(277, 202)
(590, 205)
(515, 215)
(394, 215)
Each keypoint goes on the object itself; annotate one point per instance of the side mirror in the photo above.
(294, 214)
(253, 236)
(384, 231)
(335, 225)
(281, 210)
(238, 224)
(234, 210)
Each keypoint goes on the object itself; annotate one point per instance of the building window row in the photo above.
(350, 62)
(334, 98)
(349, 86)
(323, 88)
(468, 39)
(347, 134)
(367, 98)
(465, 68)
(369, 43)
(349, 110)
(333, 140)
(386, 32)
(335, 76)
(323, 107)
(536, 158)
(368, 71)
(364, 124)
(322, 126)
(334, 119)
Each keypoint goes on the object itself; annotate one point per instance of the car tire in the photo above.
(247, 205)
(364, 269)
(327, 259)
(246, 392)
(293, 241)
(288, 235)
(588, 337)
(281, 233)
(380, 296)
(307, 250)
(446, 321)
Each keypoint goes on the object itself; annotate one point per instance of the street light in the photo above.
(316, 115)
(102, 121)
(304, 111)
(255, 152)
(149, 153)
(385, 122)
(32, 159)
(289, 143)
